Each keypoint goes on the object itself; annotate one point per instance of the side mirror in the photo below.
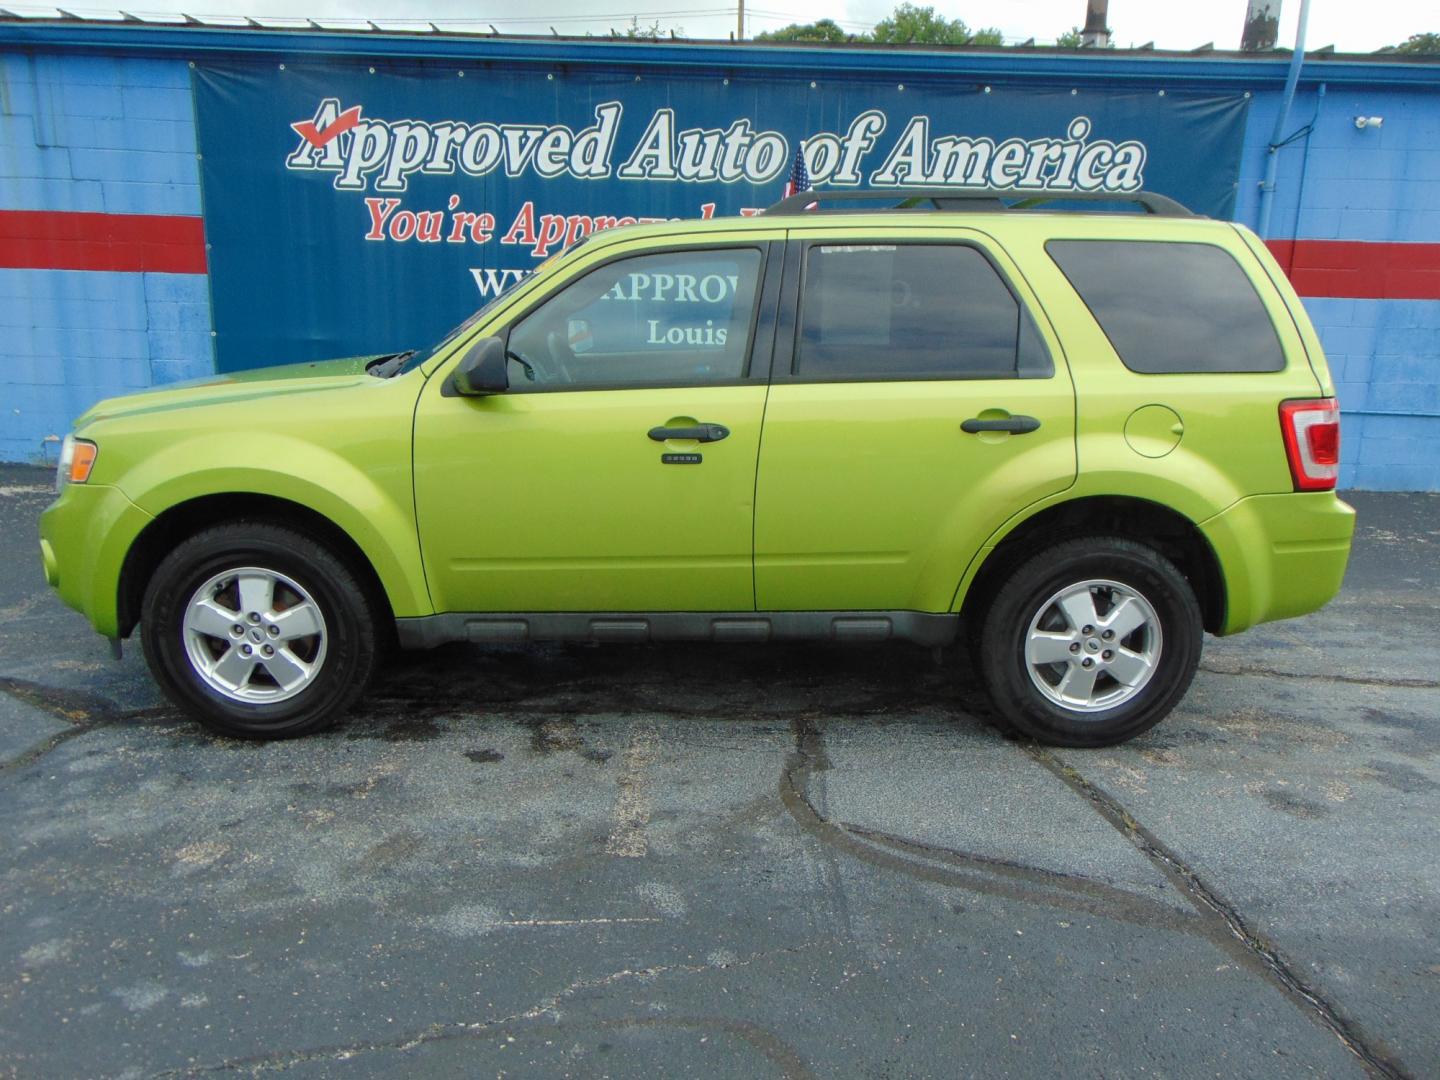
(481, 371)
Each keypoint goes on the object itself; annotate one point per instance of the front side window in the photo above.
(666, 319)
(1171, 308)
(912, 311)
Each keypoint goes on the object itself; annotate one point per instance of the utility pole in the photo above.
(740, 21)
(1096, 34)
(1262, 26)
(1277, 140)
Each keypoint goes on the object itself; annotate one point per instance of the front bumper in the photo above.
(1282, 555)
(85, 535)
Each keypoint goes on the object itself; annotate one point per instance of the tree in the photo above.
(1420, 45)
(1070, 39)
(907, 24)
(923, 25)
(636, 32)
(824, 30)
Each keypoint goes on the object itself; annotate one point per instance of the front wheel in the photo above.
(258, 631)
(1090, 642)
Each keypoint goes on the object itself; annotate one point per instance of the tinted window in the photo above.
(674, 317)
(1171, 308)
(911, 311)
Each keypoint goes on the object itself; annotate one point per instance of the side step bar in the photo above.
(512, 628)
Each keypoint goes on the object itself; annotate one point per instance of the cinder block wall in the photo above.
(1379, 188)
(95, 136)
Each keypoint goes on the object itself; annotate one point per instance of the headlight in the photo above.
(77, 458)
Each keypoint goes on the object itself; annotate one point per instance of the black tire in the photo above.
(1025, 598)
(345, 663)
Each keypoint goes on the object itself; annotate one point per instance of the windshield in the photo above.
(421, 355)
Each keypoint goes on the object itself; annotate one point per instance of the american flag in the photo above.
(799, 177)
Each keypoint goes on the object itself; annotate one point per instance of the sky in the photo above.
(1170, 24)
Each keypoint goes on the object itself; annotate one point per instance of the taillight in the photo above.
(1312, 442)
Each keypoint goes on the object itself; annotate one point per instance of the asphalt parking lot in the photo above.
(730, 861)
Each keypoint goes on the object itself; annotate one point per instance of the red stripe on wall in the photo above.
(1359, 269)
(60, 240)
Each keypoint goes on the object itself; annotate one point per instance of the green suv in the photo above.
(1073, 439)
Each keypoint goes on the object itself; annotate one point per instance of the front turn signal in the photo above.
(77, 458)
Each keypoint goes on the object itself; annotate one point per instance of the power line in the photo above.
(382, 22)
(111, 14)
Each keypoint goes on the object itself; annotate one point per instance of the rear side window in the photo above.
(922, 311)
(1169, 308)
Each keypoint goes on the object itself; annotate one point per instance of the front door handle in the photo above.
(698, 432)
(1015, 425)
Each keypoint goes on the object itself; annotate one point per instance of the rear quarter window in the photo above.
(1172, 308)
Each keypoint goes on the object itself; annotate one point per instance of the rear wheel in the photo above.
(1090, 642)
(259, 631)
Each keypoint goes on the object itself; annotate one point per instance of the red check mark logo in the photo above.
(337, 127)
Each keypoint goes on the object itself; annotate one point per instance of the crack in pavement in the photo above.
(1354, 680)
(791, 1064)
(1214, 919)
(1078, 892)
(965, 870)
(1205, 900)
(83, 712)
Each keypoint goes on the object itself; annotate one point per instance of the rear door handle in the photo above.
(1015, 425)
(698, 432)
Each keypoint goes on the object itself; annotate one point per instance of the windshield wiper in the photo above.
(388, 366)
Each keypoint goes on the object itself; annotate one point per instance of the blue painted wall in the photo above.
(1344, 183)
(115, 134)
(109, 135)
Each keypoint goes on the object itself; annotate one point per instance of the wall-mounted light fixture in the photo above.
(1363, 122)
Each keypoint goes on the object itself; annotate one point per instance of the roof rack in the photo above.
(975, 200)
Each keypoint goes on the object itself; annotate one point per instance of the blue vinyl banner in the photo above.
(355, 209)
